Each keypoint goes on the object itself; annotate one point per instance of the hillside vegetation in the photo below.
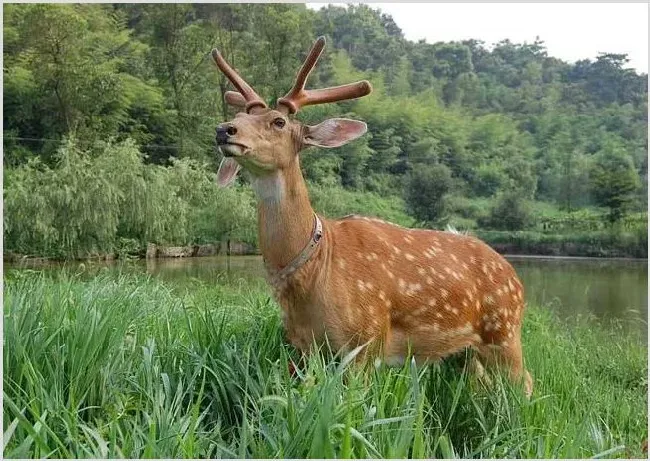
(110, 110)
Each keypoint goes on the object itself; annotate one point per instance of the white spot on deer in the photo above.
(500, 266)
(484, 269)
(361, 286)
(454, 311)
(341, 263)
(510, 334)
(435, 326)
(478, 305)
(499, 292)
(369, 285)
(429, 281)
(488, 299)
(382, 295)
(402, 284)
(453, 256)
(438, 315)
(421, 271)
(408, 238)
(442, 277)
(448, 307)
(465, 302)
(467, 328)
(409, 257)
(416, 287)
(432, 270)
(444, 293)
(465, 266)
(488, 326)
(432, 302)
(457, 276)
(448, 270)
(396, 250)
(469, 294)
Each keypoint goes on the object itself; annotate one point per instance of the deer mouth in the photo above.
(232, 149)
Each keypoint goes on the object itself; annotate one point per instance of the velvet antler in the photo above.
(298, 97)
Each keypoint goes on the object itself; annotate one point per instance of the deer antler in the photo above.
(252, 98)
(299, 97)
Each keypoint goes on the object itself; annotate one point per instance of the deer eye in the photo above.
(279, 122)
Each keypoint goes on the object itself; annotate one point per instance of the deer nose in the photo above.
(224, 132)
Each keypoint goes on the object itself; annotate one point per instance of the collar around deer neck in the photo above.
(281, 275)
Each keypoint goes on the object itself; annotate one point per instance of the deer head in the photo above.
(263, 140)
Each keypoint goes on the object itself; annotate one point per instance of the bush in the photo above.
(511, 212)
(336, 202)
(598, 244)
(426, 190)
(93, 202)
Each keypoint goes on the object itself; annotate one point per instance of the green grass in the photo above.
(129, 366)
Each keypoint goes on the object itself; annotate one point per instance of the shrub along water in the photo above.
(129, 366)
(93, 201)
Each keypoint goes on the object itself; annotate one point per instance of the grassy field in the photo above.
(130, 366)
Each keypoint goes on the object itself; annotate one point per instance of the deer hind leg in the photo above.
(477, 370)
(508, 355)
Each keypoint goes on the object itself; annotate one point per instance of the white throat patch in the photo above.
(269, 188)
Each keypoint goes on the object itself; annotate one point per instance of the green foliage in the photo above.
(129, 366)
(334, 202)
(614, 181)
(90, 201)
(426, 191)
(508, 118)
(616, 243)
(510, 212)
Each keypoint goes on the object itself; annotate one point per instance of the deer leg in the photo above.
(476, 368)
(509, 356)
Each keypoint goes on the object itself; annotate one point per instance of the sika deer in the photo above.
(359, 280)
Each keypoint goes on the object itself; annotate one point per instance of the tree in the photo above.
(614, 180)
(67, 73)
(426, 189)
(511, 212)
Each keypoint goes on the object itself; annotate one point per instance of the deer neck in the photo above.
(285, 215)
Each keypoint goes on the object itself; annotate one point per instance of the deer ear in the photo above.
(334, 132)
(235, 99)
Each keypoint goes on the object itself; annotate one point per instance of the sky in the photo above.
(570, 31)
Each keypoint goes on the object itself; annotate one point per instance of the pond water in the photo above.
(605, 288)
